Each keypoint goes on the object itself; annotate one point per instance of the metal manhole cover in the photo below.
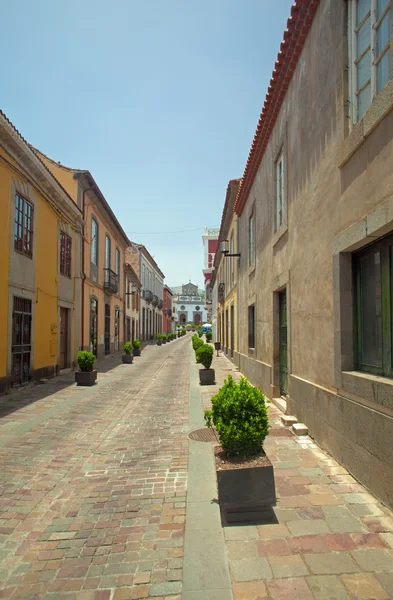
(204, 435)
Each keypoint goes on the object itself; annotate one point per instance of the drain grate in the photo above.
(204, 435)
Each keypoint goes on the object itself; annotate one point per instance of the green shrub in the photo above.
(209, 336)
(204, 355)
(196, 342)
(85, 360)
(136, 344)
(239, 415)
(127, 347)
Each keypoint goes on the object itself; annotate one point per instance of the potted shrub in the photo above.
(204, 355)
(209, 336)
(245, 476)
(87, 375)
(159, 339)
(127, 357)
(136, 344)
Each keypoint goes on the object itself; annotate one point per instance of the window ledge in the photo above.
(373, 388)
(279, 233)
(380, 107)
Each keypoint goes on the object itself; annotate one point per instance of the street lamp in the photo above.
(224, 247)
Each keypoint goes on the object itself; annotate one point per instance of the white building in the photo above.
(152, 280)
(189, 305)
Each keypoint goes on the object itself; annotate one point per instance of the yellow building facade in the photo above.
(103, 291)
(40, 255)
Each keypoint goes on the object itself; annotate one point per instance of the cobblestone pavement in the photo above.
(93, 483)
(332, 541)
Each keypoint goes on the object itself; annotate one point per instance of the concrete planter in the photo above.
(247, 494)
(136, 351)
(207, 376)
(86, 377)
(127, 359)
(159, 342)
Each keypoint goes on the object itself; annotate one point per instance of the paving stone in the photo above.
(238, 550)
(249, 590)
(287, 566)
(374, 559)
(268, 532)
(307, 543)
(331, 563)
(386, 580)
(294, 588)
(364, 586)
(327, 587)
(276, 547)
(303, 527)
(165, 589)
(241, 533)
(250, 569)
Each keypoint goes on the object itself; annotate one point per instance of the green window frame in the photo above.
(373, 274)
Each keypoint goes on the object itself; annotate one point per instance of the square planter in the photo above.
(247, 494)
(207, 376)
(136, 351)
(159, 342)
(127, 359)
(86, 377)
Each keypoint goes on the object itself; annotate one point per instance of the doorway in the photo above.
(107, 345)
(283, 342)
(232, 329)
(63, 355)
(133, 331)
(117, 329)
(226, 331)
(93, 325)
(197, 320)
(21, 340)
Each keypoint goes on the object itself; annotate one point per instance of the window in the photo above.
(280, 192)
(107, 252)
(128, 293)
(65, 254)
(251, 241)
(232, 265)
(23, 235)
(117, 267)
(143, 277)
(369, 51)
(374, 308)
(182, 307)
(94, 242)
(251, 326)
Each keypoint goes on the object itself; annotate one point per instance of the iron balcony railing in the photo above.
(154, 300)
(111, 281)
(148, 296)
(221, 293)
(160, 304)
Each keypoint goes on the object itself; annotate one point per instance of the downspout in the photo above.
(83, 266)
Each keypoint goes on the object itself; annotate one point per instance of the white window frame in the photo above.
(352, 53)
(280, 191)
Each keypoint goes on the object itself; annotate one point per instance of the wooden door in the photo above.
(232, 330)
(63, 359)
(283, 343)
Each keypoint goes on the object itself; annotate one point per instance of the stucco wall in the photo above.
(323, 199)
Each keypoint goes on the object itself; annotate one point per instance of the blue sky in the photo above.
(159, 99)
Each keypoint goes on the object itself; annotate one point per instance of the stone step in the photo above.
(280, 403)
(288, 420)
(300, 429)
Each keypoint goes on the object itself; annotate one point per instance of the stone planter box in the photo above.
(159, 342)
(127, 359)
(86, 377)
(207, 376)
(136, 351)
(247, 494)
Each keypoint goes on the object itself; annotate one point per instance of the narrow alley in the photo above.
(96, 485)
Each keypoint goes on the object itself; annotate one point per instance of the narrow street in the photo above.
(96, 485)
(93, 484)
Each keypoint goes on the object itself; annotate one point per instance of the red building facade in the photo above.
(167, 309)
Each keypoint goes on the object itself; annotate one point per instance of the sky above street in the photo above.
(159, 99)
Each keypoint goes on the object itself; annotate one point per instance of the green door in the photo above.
(283, 343)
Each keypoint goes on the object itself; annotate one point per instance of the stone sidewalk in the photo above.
(332, 541)
(93, 483)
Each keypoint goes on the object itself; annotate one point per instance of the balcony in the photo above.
(160, 304)
(169, 312)
(154, 300)
(148, 296)
(221, 293)
(111, 284)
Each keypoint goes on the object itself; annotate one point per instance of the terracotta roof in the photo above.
(299, 23)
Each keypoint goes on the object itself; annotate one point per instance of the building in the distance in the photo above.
(168, 317)
(210, 243)
(189, 305)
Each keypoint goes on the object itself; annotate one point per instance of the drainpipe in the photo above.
(83, 266)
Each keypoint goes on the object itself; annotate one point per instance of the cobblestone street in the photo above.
(93, 483)
(96, 484)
